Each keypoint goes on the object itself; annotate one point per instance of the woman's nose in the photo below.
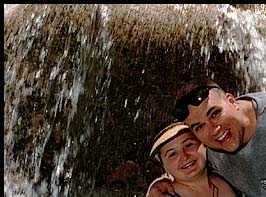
(184, 155)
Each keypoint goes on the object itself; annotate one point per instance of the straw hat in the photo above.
(166, 135)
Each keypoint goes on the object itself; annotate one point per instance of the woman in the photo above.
(183, 157)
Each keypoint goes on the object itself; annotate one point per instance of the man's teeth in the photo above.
(221, 138)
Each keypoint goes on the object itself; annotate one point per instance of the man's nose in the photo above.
(214, 127)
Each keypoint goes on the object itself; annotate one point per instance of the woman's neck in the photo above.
(200, 184)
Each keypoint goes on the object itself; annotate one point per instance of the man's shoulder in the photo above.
(259, 98)
(253, 95)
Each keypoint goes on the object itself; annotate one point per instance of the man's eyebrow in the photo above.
(210, 111)
(193, 125)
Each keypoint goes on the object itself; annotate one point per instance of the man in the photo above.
(233, 129)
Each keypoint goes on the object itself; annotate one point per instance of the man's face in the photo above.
(217, 122)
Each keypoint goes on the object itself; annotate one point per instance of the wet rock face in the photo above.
(85, 86)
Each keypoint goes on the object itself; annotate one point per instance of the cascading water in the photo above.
(85, 85)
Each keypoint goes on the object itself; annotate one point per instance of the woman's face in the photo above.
(184, 157)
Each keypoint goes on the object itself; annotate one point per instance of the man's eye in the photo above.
(215, 113)
(198, 128)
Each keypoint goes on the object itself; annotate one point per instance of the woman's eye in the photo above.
(171, 154)
(189, 145)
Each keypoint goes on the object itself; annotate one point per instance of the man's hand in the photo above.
(156, 189)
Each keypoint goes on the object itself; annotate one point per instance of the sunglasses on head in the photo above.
(194, 97)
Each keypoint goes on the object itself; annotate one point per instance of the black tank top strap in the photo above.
(235, 190)
(171, 195)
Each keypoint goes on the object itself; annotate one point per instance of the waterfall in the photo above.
(86, 84)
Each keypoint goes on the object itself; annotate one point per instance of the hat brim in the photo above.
(167, 134)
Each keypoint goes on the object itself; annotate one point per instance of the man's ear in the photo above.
(231, 99)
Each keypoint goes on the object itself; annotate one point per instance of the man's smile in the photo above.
(224, 136)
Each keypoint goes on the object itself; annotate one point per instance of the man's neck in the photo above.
(250, 121)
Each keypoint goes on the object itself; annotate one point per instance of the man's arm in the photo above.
(160, 185)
